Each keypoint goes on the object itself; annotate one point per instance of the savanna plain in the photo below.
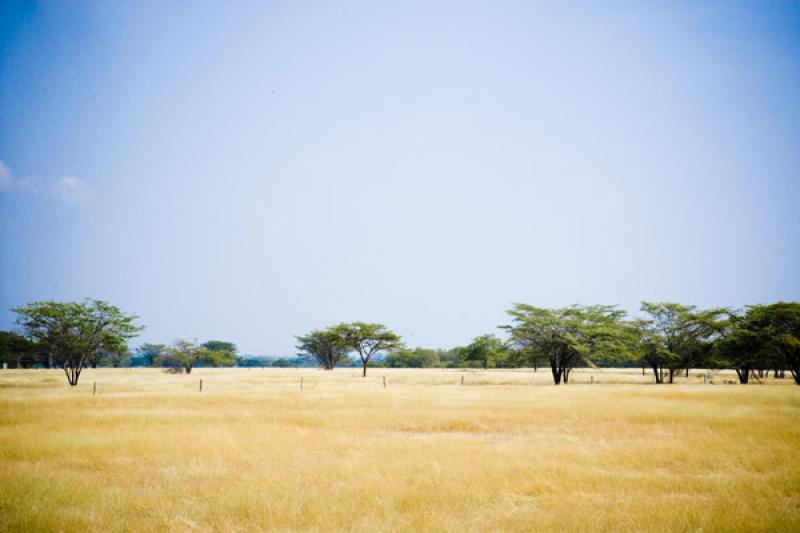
(505, 451)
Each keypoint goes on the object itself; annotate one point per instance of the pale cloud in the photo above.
(69, 189)
(5, 176)
(28, 185)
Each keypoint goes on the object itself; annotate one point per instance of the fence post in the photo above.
(301, 383)
(384, 382)
(591, 380)
(201, 385)
(94, 388)
(462, 381)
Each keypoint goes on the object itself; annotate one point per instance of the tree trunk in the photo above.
(364, 374)
(744, 375)
(566, 376)
(687, 371)
(795, 370)
(671, 374)
(556, 373)
(188, 369)
(656, 372)
(485, 362)
(73, 373)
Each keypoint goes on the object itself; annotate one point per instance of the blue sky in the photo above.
(251, 170)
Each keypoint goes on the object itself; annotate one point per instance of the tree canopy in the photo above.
(566, 337)
(220, 353)
(482, 350)
(327, 346)
(72, 333)
(676, 336)
(17, 350)
(183, 355)
(368, 340)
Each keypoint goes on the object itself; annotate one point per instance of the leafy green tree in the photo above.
(739, 346)
(183, 354)
(413, 358)
(566, 337)
(484, 349)
(779, 324)
(449, 358)
(766, 335)
(677, 337)
(72, 333)
(367, 340)
(16, 350)
(327, 346)
(220, 353)
(150, 353)
(220, 346)
(217, 358)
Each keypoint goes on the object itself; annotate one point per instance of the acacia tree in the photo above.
(768, 335)
(677, 336)
(367, 340)
(739, 347)
(565, 337)
(72, 333)
(220, 353)
(183, 354)
(327, 346)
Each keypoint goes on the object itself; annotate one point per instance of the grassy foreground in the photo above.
(506, 451)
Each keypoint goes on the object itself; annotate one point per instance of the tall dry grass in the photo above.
(507, 451)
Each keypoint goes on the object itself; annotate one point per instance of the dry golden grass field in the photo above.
(507, 451)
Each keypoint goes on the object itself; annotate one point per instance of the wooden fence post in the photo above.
(201, 385)
(94, 388)
(301, 383)
(384, 382)
(462, 381)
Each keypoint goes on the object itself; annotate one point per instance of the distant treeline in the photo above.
(668, 339)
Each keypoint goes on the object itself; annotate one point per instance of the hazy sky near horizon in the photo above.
(249, 171)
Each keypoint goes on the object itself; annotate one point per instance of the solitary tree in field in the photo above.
(368, 340)
(73, 333)
(328, 347)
